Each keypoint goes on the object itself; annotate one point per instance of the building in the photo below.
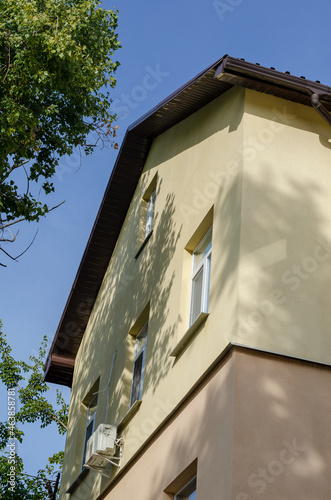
(199, 321)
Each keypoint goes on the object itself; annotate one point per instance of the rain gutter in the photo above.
(320, 108)
(236, 71)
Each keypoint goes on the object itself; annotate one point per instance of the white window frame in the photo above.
(186, 490)
(149, 221)
(203, 267)
(90, 421)
(137, 353)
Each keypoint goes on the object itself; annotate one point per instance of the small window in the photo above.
(90, 423)
(201, 277)
(147, 216)
(139, 365)
(150, 214)
(188, 492)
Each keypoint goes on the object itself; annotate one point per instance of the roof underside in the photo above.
(207, 86)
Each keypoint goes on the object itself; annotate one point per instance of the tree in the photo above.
(27, 403)
(56, 66)
(25, 487)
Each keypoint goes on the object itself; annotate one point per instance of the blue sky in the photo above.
(164, 45)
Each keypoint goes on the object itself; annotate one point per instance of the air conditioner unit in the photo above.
(101, 447)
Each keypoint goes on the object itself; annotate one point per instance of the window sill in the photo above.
(142, 246)
(188, 335)
(129, 414)
(77, 481)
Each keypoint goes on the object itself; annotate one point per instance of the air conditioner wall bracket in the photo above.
(113, 461)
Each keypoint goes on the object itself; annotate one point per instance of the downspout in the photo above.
(320, 108)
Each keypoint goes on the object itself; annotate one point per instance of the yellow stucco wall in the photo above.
(285, 264)
(263, 170)
(196, 169)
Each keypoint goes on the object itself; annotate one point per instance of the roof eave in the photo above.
(206, 86)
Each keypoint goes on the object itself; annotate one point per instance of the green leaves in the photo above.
(16, 485)
(32, 406)
(10, 369)
(56, 59)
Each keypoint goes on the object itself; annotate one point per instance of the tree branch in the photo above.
(27, 181)
(14, 237)
(20, 255)
(14, 167)
(54, 417)
(11, 224)
(23, 219)
(9, 240)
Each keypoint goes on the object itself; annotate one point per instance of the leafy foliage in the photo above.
(33, 403)
(23, 487)
(55, 68)
(30, 389)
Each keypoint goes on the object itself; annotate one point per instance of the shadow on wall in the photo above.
(252, 428)
(283, 263)
(284, 416)
(121, 299)
(285, 267)
(130, 292)
(284, 276)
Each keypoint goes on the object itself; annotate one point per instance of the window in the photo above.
(90, 422)
(201, 277)
(139, 365)
(184, 486)
(188, 492)
(150, 214)
(147, 216)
